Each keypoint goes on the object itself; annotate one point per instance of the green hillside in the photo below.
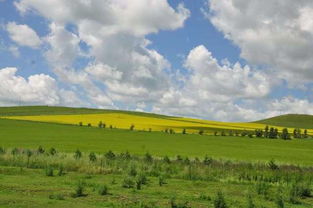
(290, 120)
(60, 110)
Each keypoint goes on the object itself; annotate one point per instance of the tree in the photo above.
(271, 133)
(132, 127)
(201, 132)
(285, 135)
(266, 131)
(100, 124)
(184, 131)
(305, 135)
(258, 132)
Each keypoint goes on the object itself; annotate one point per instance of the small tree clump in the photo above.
(201, 132)
(100, 124)
(89, 124)
(132, 127)
(80, 123)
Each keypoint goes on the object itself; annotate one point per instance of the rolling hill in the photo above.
(145, 121)
(290, 120)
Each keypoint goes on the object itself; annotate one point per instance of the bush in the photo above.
(92, 157)
(61, 170)
(148, 157)
(219, 201)
(2, 150)
(128, 183)
(166, 159)
(49, 171)
(109, 155)
(103, 190)
(52, 151)
(40, 150)
(89, 124)
(100, 124)
(79, 190)
(80, 123)
(77, 154)
(162, 180)
(272, 165)
(132, 127)
(14, 151)
(201, 132)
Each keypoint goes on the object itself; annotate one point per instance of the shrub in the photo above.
(142, 178)
(80, 123)
(77, 154)
(103, 190)
(89, 124)
(109, 155)
(92, 157)
(272, 165)
(219, 201)
(14, 151)
(61, 170)
(132, 127)
(201, 132)
(207, 160)
(128, 183)
(100, 124)
(166, 159)
(2, 150)
(162, 180)
(49, 171)
(184, 131)
(148, 157)
(40, 150)
(52, 151)
(79, 190)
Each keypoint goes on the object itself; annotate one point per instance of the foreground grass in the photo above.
(26, 181)
(68, 138)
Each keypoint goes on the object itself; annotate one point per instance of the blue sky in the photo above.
(222, 60)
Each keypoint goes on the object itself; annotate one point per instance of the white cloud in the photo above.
(122, 68)
(277, 34)
(23, 35)
(36, 89)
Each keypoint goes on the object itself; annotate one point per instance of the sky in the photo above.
(226, 60)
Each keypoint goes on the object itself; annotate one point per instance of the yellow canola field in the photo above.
(124, 121)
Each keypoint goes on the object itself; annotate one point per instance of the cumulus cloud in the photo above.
(121, 68)
(278, 35)
(36, 89)
(23, 35)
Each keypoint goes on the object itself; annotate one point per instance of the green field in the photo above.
(69, 138)
(239, 166)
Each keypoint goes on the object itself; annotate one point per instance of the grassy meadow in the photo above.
(47, 159)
